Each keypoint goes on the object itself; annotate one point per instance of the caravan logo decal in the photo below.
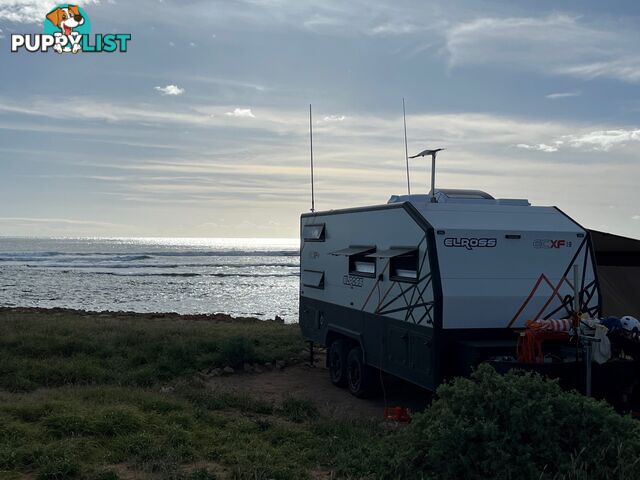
(549, 244)
(67, 29)
(470, 243)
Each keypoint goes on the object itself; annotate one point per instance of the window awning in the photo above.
(313, 232)
(311, 278)
(392, 252)
(353, 250)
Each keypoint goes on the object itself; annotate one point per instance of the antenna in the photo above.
(433, 154)
(406, 149)
(313, 201)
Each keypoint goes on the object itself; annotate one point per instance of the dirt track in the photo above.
(312, 383)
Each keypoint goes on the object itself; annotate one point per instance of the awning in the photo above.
(392, 252)
(311, 278)
(353, 250)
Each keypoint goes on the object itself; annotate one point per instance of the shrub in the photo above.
(118, 421)
(57, 463)
(514, 426)
(236, 351)
(298, 410)
(68, 425)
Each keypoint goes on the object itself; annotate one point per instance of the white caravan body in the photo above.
(493, 263)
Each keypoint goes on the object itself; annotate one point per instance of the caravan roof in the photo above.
(477, 210)
(451, 195)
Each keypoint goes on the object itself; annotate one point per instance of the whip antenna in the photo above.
(313, 202)
(406, 148)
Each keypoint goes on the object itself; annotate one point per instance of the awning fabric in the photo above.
(352, 250)
(392, 252)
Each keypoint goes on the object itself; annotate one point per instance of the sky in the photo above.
(201, 128)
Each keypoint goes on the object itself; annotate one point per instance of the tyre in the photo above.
(361, 378)
(337, 362)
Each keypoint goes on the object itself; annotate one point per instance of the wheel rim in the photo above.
(354, 376)
(335, 364)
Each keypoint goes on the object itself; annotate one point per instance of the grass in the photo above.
(84, 396)
(80, 397)
(53, 350)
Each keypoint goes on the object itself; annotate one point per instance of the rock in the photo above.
(167, 389)
(268, 365)
(228, 370)
(215, 372)
(257, 369)
(278, 319)
(280, 364)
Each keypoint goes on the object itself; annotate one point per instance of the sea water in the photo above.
(241, 277)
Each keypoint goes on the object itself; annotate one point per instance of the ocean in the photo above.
(241, 277)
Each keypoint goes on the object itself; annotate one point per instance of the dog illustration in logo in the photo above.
(66, 19)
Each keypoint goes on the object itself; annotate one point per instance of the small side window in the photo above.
(362, 264)
(404, 268)
(313, 279)
(313, 233)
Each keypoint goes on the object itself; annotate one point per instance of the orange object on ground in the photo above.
(398, 414)
(536, 333)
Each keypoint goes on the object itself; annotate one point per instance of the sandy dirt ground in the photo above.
(312, 383)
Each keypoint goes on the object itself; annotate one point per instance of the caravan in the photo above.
(427, 286)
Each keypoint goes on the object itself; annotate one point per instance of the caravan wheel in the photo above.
(361, 378)
(337, 363)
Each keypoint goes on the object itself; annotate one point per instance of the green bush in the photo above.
(236, 351)
(298, 410)
(57, 462)
(514, 426)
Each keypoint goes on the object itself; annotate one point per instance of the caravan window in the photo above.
(362, 264)
(404, 268)
(313, 233)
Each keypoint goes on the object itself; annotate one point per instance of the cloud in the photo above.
(241, 113)
(29, 11)
(82, 109)
(458, 131)
(596, 140)
(603, 140)
(394, 29)
(56, 221)
(635, 217)
(334, 118)
(626, 68)
(553, 96)
(542, 147)
(170, 90)
(556, 44)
